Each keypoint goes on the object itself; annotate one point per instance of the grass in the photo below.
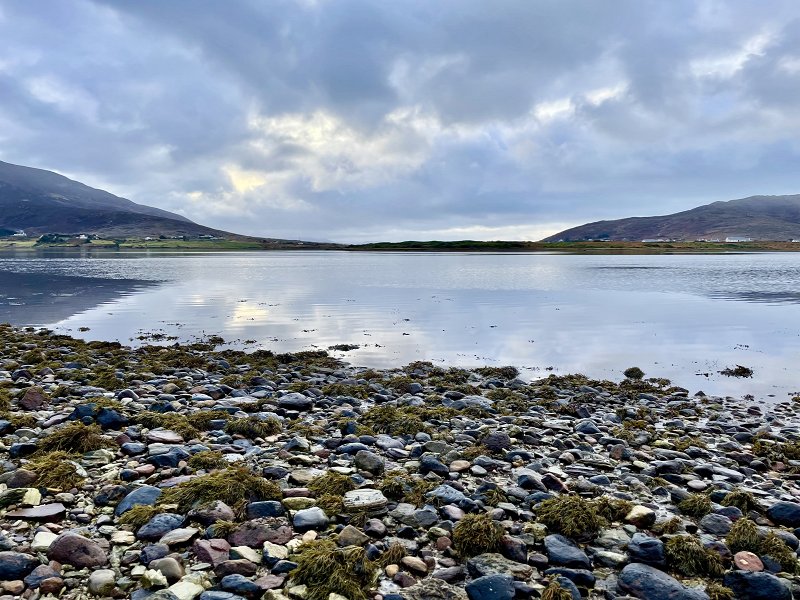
(235, 486)
(75, 437)
(571, 516)
(687, 555)
(326, 569)
(55, 470)
(252, 427)
(476, 534)
(696, 505)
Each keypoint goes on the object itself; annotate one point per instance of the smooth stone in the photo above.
(641, 516)
(757, 586)
(159, 525)
(164, 436)
(364, 499)
(784, 513)
(43, 512)
(747, 561)
(43, 540)
(563, 552)
(102, 582)
(352, 536)
(648, 550)
(186, 590)
(16, 565)
(648, 583)
(76, 550)
(179, 536)
(491, 587)
(716, 524)
(310, 518)
(146, 495)
(492, 563)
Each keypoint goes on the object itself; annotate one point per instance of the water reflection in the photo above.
(682, 317)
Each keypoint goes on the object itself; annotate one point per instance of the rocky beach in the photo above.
(194, 471)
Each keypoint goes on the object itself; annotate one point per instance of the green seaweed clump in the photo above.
(331, 483)
(138, 515)
(393, 555)
(477, 534)
(696, 505)
(75, 437)
(208, 460)
(252, 427)
(775, 547)
(554, 591)
(687, 555)
(498, 372)
(612, 509)
(392, 420)
(668, 526)
(55, 470)
(717, 591)
(570, 515)
(633, 373)
(106, 378)
(234, 486)
(742, 500)
(327, 569)
(743, 536)
(222, 528)
(343, 389)
(180, 424)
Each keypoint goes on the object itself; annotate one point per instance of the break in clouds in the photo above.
(353, 120)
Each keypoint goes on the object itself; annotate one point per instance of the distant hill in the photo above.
(39, 201)
(756, 217)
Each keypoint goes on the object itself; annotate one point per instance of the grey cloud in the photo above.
(362, 120)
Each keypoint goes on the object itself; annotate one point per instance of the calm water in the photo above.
(675, 316)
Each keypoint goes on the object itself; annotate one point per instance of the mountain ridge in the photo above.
(38, 201)
(766, 218)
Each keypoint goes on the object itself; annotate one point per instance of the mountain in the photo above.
(755, 217)
(39, 201)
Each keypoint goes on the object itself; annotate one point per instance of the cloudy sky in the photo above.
(356, 120)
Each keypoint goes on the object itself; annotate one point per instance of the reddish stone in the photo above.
(270, 582)
(747, 561)
(212, 551)
(239, 566)
(254, 533)
(34, 399)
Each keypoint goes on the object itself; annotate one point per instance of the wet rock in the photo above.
(146, 495)
(490, 564)
(432, 588)
(785, 513)
(563, 552)
(757, 586)
(16, 565)
(648, 583)
(648, 550)
(310, 518)
(491, 587)
(71, 548)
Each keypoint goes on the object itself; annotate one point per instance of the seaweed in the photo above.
(326, 569)
(138, 515)
(477, 534)
(233, 486)
(208, 460)
(743, 536)
(223, 528)
(696, 505)
(687, 555)
(56, 470)
(252, 427)
(774, 546)
(75, 437)
(633, 373)
(393, 421)
(744, 501)
(178, 423)
(612, 509)
(392, 555)
(331, 483)
(554, 591)
(717, 591)
(498, 372)
(570, 515)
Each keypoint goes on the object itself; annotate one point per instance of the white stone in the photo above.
(102, 582)
(364, 499)
(153, 578)
(186, 590)
(254, 556)
(42, 540)
(276, 551)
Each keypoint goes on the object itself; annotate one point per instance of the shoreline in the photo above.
(189, 472)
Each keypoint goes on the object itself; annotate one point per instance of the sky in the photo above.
(357, 120)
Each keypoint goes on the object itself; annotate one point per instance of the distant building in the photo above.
(20, 233)
(654, 240)
(738, 239)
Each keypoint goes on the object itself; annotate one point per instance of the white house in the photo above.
(738, 239)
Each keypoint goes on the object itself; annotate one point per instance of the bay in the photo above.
(684, 317)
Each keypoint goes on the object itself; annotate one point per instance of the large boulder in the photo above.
(785, 513)
(16, 565)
